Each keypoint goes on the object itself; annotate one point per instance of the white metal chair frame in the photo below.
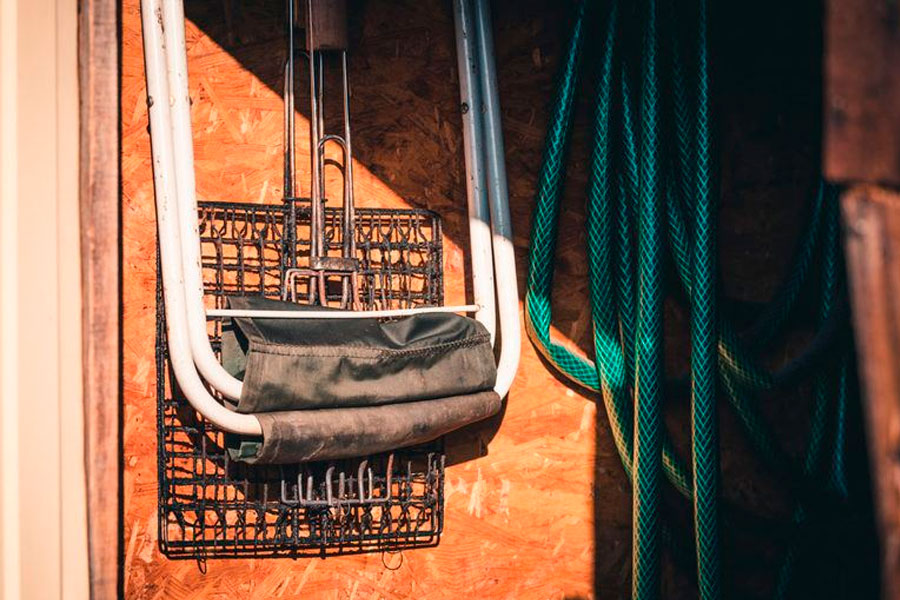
(493, 263)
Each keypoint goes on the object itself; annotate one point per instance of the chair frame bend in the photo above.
(194, 363)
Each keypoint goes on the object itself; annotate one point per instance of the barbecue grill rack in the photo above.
(211, 506)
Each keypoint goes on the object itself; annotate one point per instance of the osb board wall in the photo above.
(519, 519)
(538, 507)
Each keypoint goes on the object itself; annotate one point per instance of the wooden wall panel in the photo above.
(872, 219)
(100, 243)
(862, 91)
(546, 511)
(519, 520)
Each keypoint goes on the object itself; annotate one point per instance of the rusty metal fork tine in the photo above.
(284, 484)
(300, 484)
(309, 488)
(329, 494)
(390, 475)
(360, 480)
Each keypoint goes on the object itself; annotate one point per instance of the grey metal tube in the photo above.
(473, 141)
(501, 224)
(494, 152)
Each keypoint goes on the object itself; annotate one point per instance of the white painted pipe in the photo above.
(183, 147)
(501, 224)
(201, 350)
(182, 278)
(168, 224)
(337, 314)
(476, 190)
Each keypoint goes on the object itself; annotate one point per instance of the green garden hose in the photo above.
(704, 422)
(630, 197)
(611, 371)
(823, 385)
(648, 349)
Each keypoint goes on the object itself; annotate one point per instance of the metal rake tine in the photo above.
(309, 488)
(389, 489)
(284, 497)
(360, 483)
(300, 484)
(342, 480)
(329, 495)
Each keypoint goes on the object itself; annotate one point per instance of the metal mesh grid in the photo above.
(210, 506)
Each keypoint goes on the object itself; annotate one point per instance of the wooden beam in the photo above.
(98, 63)
(862, 91)
(872, 221)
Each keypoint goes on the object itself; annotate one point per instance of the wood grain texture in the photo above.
(862, 91)
(537, 503)
(329, 23)
(100, 243)
(519, 520)
(872, 220)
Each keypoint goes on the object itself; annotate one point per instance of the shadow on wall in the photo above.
(406, 125)
(406, 120)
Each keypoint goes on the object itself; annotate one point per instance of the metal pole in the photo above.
(165, 192)
(501, 224)
(473, 142)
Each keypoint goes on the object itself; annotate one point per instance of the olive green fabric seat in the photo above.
(335, 433)
(328, 389)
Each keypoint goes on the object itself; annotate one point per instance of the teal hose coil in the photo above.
(648, 354)
(704, 421)
(638, 207)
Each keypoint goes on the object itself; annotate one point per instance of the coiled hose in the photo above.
(635, 202)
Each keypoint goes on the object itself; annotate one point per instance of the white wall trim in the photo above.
(43, 528)
(9, 389)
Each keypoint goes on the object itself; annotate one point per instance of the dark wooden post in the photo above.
(98, 64)
(872, 223)
(862, 150)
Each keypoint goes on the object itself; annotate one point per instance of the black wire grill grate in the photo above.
(210, 506)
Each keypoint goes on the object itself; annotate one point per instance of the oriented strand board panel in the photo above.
(537, 503)
(519, 519)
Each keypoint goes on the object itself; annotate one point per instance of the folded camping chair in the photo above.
(303, 382)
